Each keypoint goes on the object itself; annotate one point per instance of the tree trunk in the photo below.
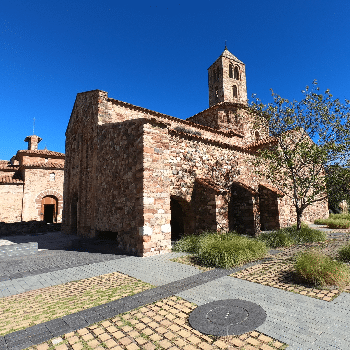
(299, 214)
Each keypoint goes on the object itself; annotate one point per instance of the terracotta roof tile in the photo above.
(10, 180)
(5, 164)
(262, 142)
(41, 152)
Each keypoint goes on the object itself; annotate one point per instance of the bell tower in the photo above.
(227, 80)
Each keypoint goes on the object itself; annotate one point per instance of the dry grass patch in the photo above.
(27, 309)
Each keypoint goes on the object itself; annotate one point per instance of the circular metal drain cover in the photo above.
(227, 317)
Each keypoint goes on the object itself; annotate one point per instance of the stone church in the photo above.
(31, 185)
(145, 178)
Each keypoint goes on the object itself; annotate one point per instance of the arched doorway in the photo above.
(242, 211)
(49, 209)
(269, 213)
(177, 220)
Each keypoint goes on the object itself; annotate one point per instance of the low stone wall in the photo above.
(26, 227)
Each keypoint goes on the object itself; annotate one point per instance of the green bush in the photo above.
(276, 239)
(289, 236)
(230, 249)
(340, 216)
(222, 249)
(188, 243)
(344, 253)
(321, 221)
(305, 234)
(320, 270)
(338, 223)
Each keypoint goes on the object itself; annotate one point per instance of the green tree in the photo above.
(292, 161)
(339, 190)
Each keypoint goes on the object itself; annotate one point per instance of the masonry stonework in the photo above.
(31, 185)
(146, 178)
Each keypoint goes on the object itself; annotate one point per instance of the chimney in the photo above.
(33, 142)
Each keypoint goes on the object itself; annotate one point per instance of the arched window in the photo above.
(52, 177)
(257, 136)
(217, 73)
(236, 73)
(230, 71)
(234, 91)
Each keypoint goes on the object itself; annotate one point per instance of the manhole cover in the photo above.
(227, 317)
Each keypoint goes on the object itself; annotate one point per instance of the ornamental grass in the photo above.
(337, 221)
(320, 270)
(289, 236)
(222, 250)
(344, 253)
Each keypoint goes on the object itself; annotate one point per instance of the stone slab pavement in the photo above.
(300, 321)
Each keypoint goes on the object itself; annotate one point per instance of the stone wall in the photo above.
(114, 111)
(123, 176)
(11, 202)
(26, 227)
(80, 188)
(38, 183)
(119, 204)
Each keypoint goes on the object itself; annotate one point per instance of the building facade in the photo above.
(146, 178)
(31, 185)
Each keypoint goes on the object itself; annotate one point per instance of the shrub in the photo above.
(276, 239)
(340, 216)
(338, 223)
(290, 235)
(222, 249)
(306, 234)
(229, 249)
(320, 270)
(321, 221)
(344, 253)
(188, 243)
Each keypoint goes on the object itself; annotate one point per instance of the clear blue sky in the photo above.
(155, 54)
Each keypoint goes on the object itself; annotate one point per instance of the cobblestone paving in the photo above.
(161, 325)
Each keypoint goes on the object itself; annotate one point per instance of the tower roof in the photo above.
(229, 55)
(226, 53)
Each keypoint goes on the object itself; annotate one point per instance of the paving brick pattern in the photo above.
(294, 319)
(160, 325)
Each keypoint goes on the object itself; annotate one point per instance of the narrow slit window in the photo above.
(236, 73)
(234, 91)
(257, 136)
(230, 71)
